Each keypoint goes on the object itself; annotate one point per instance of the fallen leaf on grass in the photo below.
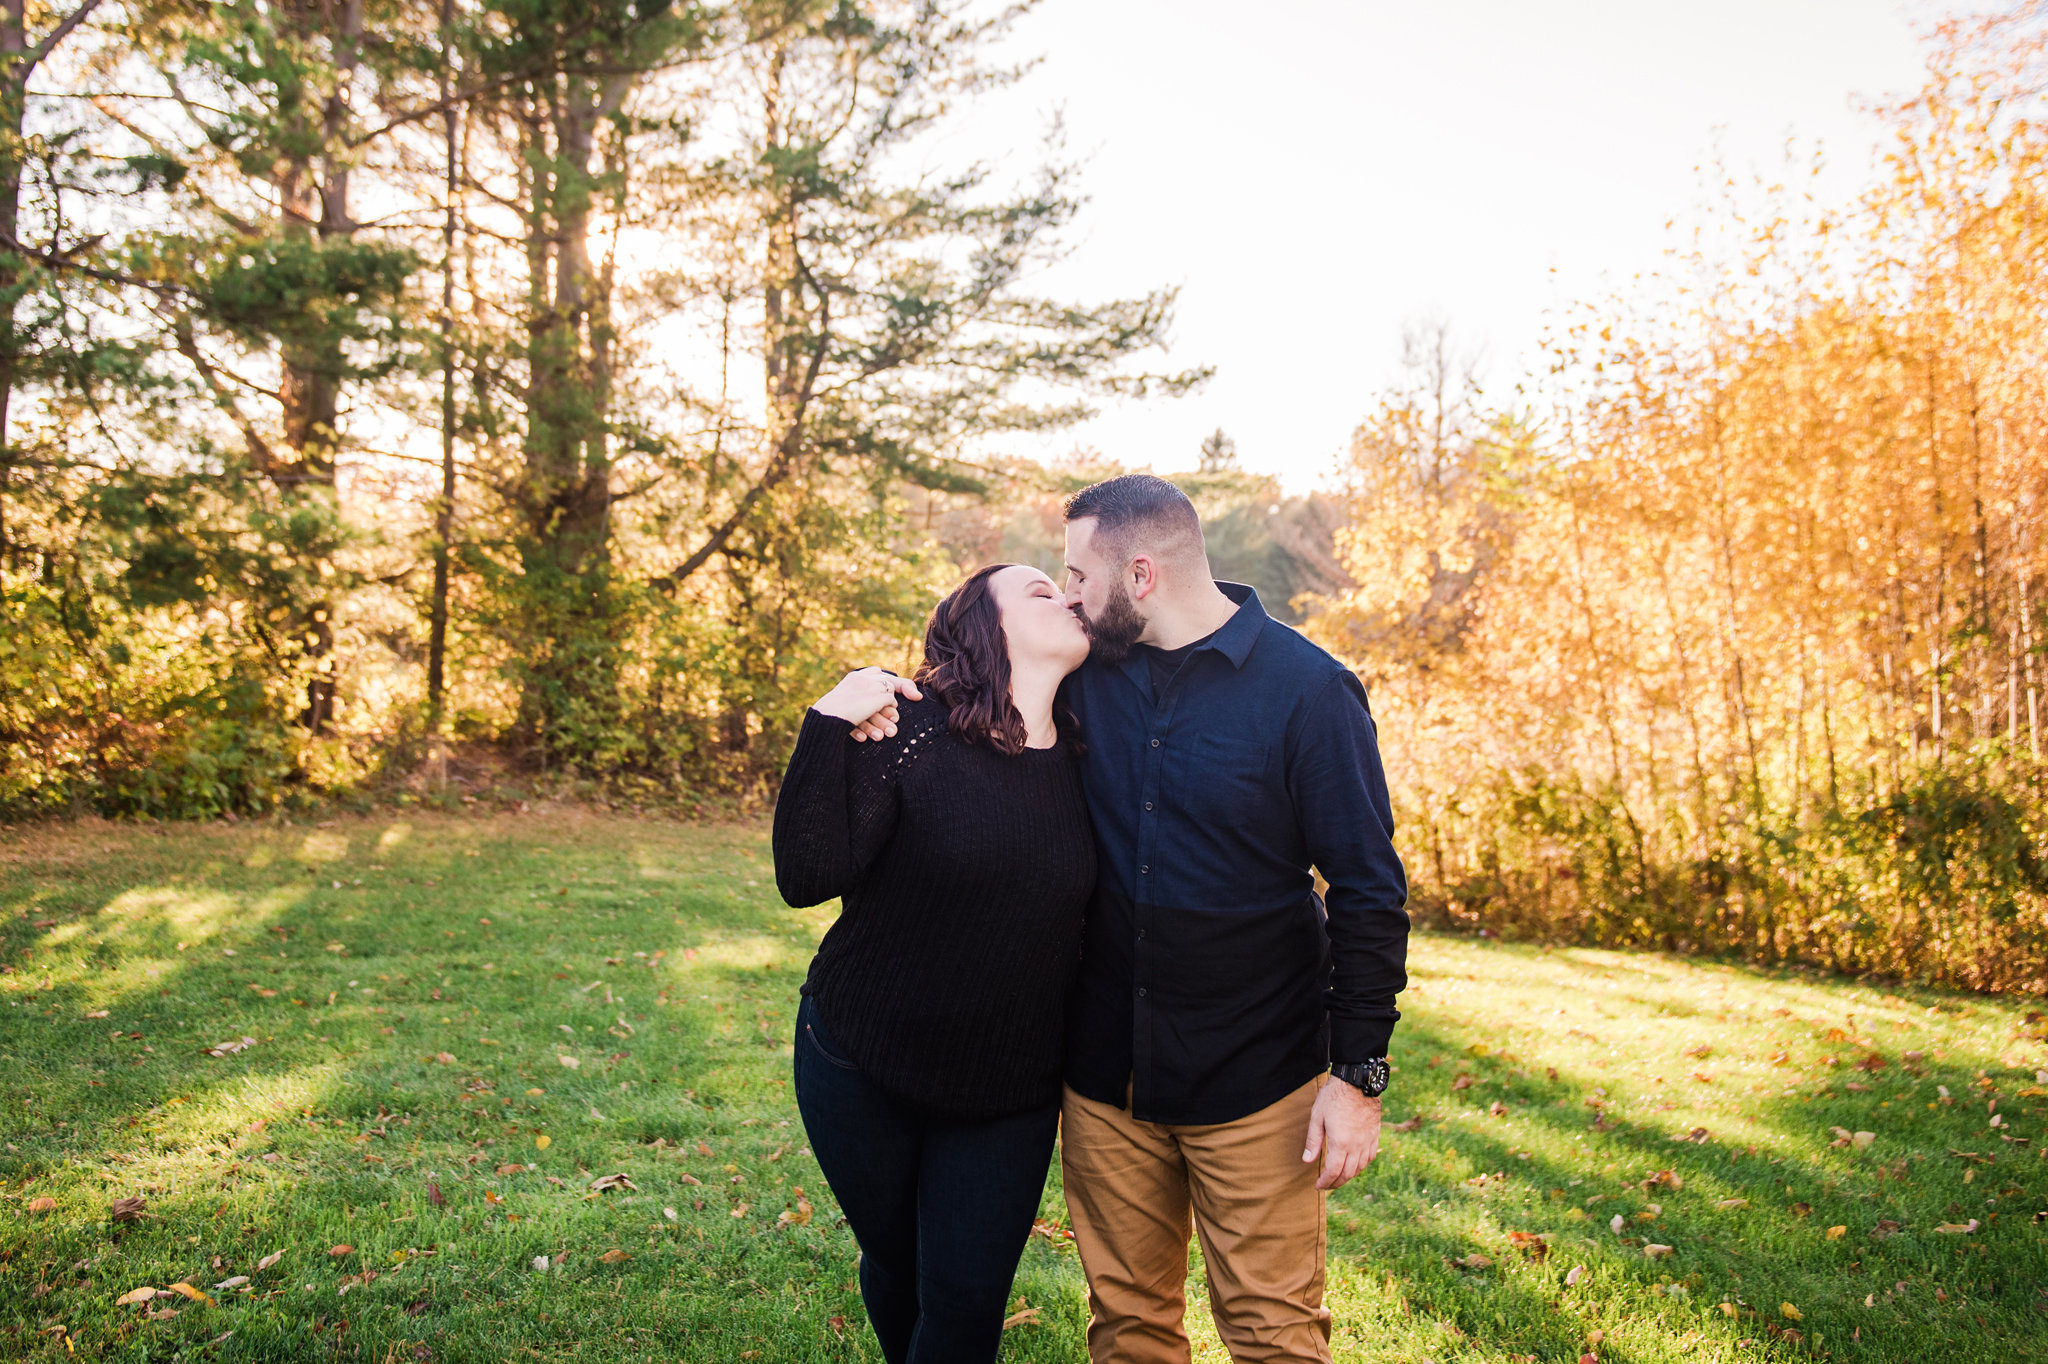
(343, 1249)
(135, 1295)
(1617, 1224)
(162, 1313)
(799, 1216)
(126, 1210)
(1837, 1233)
(1571, 1280)
(1530, 1243)
(511, 1169)
(543, 1142)
(1408, 1126)
(612, 1257)
(1790, 1311)
(434, 1195)
(740, 1210)
(230, 1048)
(1026, 1317)
(98, 1013)
(492, 1197)
(690, 1179)
(1730, 1204)
(189, 1291)
(1885, 1227)
(702, 1149)
(1475, 1261)
(603, 1182)
(235, 1282)
(569, 1061)
(1802, 1209)
(1665, 1179)
(1657, 1252)
(1958, 1228)
(269, 1260)
(42, 1205)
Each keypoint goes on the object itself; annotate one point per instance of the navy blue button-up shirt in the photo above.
(1214, 981)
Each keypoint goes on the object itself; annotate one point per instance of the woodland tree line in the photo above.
(1741, 648)
(581, 384)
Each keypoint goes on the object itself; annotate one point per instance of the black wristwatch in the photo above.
(1369, 1077)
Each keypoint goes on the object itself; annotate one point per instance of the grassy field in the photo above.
(438, 1032)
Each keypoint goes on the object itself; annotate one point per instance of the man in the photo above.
(1227, 758)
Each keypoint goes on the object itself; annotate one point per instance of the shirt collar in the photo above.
(1233, 639)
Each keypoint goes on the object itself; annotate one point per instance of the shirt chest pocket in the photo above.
(1219, 782)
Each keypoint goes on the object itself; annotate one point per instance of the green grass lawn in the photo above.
(459, 1024)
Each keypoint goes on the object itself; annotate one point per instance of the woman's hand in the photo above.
(866, 699)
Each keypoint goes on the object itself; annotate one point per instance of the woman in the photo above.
(947, 815)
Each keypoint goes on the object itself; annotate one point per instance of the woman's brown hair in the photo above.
(967, 666)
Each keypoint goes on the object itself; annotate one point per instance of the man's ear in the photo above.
(1144, 576)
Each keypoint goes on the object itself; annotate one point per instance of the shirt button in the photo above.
(1148, 805)
(1155, 743)
(1141, 932)
(1144, 871)
(1141, 992)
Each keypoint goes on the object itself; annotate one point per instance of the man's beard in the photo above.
(1111, 634)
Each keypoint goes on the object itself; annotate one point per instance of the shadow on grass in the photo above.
(1766, 1212)
(568, 907)
(414, 1107)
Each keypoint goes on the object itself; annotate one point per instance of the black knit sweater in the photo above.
(963, 875)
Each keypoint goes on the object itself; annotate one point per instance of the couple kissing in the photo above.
(1077, 856)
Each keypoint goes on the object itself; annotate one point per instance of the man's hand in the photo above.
(866, 699)
(1349, 1124)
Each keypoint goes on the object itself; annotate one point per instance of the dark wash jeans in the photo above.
(941, 1208)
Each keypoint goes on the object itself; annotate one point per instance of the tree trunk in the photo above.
(566, 490)
(444, 509)
(18, 61)
(313, 201)
(14, 76)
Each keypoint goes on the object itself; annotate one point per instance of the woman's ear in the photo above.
(1144, 576)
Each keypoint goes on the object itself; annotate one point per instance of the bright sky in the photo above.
(1318, 174)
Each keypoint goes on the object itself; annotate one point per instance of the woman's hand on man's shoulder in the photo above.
(866, 699)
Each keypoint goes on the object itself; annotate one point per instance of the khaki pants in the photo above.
(1131, 1189)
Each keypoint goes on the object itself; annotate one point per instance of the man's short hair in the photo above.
(1140, 513)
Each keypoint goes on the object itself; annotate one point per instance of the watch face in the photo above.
(1369, 1076)
(1377, 1073)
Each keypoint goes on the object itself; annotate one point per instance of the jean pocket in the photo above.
(820, 1042)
